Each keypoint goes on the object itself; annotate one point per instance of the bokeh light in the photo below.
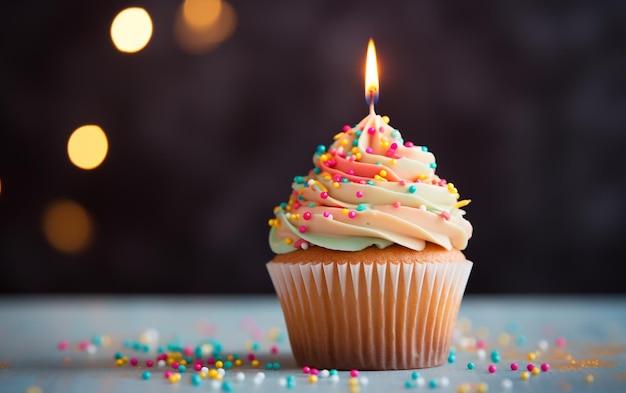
(131, 30)
(67, 226)
(202, 25)
(87, 146)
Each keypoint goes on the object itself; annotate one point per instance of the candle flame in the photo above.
(371, 75)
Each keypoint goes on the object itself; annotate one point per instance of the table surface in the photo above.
(591, 330)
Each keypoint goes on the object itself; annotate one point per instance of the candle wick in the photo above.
(371, 100)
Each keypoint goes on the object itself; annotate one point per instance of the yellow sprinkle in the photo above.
(524, 375)
(288, 241)
(219, 364)
(589, 378)
(230, 357)
(354, 150)
(482, 387)
(503, 338)
(450, 185)
(312, 378)
(212, 373)
(531, 356)
(383, 173)
(238, 362)
(335, 184)
(358, 156)
(343, 142)
(422, 176)
(326, 177)
(385, 119)
(345, 211)
(183, 362)
(338, 135)
(288, 208)
(124, 359)
(462, 203)
(384, 143)
(271, 222)
(255, 363)
(353, 381)
(169, 361)
(174, 378)
(393, 161)
(203, 375)
(119, 362)
(219, 377)
(535, 371)
(34, 389)
(377, 177)
(463, 388)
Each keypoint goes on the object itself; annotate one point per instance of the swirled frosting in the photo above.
(369, 187)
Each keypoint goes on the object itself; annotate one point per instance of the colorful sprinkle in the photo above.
(470, 366)
(514, 366)
(492, 368)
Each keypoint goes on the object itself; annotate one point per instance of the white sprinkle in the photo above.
(543, 345)
(364, 380)
(444, 381)
(304, 245)
(204, 370)
(507, 384)
(282, 381)
(216, 384)
(481, 354)
(161, 363)
(334, 378)
(423, 207)
(91, 349)
(420, 381)
(287, 215)
(240, 376)
(324, 373)
(221, 371)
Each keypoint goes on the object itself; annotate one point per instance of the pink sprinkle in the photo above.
(545, 367)
(326, 214)
(337, 178)
(514, 366)
(369, 150)
(402, 182)
(210, 360)
(175, 365)
(354, 373)
(445, 215)
(63, 345)
(332, 151)
(352, 214)
(149, 363)
(530, 367)
(251, 356)
(83, 345)
(197, 367)
(346, 128)
(167, 374)
(306, 369)
(371, 130)
(296, 205)
(560, 342)
(274, 350)
(393, 146)
(162, 356)
(442, 182)
(307, 215)
(302, 229)
(315, 371)
(351, 171)
(134, 361)
(481, 344)
(188, 349)
(408, 144)
(359, 194)
(492, 368)
(323, 195)
(381, 129)
(396, 204)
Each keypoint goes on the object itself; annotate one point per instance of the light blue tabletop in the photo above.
(579, 337)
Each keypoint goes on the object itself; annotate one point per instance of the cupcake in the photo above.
(369, 269)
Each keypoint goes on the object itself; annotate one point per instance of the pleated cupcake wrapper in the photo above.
(370, 316)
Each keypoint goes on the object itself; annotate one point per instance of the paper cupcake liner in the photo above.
(370, 316)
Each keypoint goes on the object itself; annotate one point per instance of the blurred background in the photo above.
(199, 113)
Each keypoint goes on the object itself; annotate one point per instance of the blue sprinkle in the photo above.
(345, 180)
(470, 366)
(332, 372)
(370, 182)
(451, 358)
(226, 386)
(409, 384)
(311, 204)
(521, 340)
(379, 163)
(415, 375)
(97, 340)
(355, 142)
(321, 149)
(298, 180)
(182, 368)
(433, 165)
(128, 344)
(358, 133)
(424, 148)
(145, 348)
(228, 365)
(146, 375)
(276, 366)
(256, 346)
(495, 356)
(195, 380)
(432, 383)
(412, 189)
(118, 355)
(361, 206)
(317, 171)
(283, 205)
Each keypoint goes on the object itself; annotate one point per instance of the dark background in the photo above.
(521, 102)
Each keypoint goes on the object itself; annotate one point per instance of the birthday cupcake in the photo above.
(368, 268)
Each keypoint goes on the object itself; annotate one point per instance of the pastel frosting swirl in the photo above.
(367, 188)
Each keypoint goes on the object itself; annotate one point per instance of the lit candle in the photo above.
(371, 76)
